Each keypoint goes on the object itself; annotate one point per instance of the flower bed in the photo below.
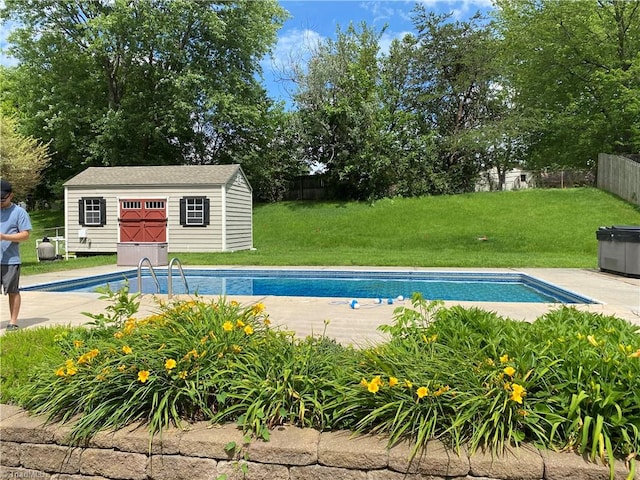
(466, 377)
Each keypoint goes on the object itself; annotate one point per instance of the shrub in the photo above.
(170, 366)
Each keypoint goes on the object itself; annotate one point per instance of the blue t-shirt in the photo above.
(13, 219)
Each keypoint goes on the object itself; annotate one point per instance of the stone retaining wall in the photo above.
(31, 449)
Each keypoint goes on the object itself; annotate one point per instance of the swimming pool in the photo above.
(356, 284)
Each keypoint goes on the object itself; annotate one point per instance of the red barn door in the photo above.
(143, 220)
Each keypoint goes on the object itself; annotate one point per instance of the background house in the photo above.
(191, 208)
(515, 179)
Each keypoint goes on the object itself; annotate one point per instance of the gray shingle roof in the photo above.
(171, 175)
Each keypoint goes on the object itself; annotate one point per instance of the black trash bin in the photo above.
(619, 249)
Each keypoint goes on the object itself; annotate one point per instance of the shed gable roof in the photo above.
(166, 175)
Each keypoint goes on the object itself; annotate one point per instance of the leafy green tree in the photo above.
(339, 108)
(452, 79)
(22, 159)
(141, 83)
(575, 69)
(275, 158)
(410, 142)
(501, 142)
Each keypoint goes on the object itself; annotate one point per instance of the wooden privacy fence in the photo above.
(620, 176)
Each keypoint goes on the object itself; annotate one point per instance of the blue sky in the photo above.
(313, 21)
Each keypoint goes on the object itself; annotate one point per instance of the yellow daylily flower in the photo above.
(170, 363)
(517, 392)
(129, 325)
(143, 376)
(393, 381)
(422, 392)
(509, 371)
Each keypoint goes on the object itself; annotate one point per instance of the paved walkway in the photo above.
(618, 295)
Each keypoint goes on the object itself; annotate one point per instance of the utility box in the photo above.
(130, 253)
(619, 249)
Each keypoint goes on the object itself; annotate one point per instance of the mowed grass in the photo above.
(533, 228)
(527, 228)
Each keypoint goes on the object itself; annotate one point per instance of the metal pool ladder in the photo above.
(173, 261)
(153, 274)
(170, 276)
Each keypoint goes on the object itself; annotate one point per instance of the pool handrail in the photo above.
(170, 276)
(153, 274)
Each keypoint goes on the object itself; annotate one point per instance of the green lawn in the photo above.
(527, 228)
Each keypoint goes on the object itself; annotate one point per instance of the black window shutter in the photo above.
(81, 211)
(207, 213)
(183, 211)
(103, 212)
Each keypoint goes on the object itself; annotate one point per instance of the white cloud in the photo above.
(459, 8)
(387, 11)
(387, 38)
(294, 46)
(292, 51)
(380, 11)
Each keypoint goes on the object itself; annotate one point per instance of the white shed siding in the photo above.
(98, 239)
(195, 239)
(238, 207)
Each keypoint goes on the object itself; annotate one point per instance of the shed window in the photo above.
(154, 205)
(194, 211)
(131, 205)
(92, 211)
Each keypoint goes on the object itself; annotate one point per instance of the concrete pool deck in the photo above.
(618, 295)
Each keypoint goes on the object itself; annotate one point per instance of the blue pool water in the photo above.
(480, 287)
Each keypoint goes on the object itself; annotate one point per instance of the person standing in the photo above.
(15, 227)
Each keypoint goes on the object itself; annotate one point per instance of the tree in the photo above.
(575, 69)
(114, 82)
(275, 158)
(453, 75)
(340, 114)
(411, 142)
(22, 159)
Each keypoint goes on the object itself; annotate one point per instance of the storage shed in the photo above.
(187, 208)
